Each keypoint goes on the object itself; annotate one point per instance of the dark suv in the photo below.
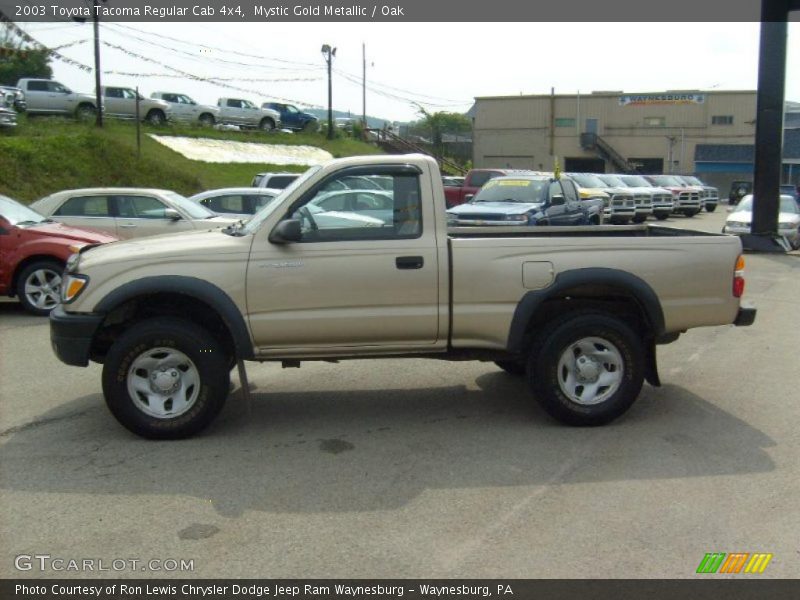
(293, 118)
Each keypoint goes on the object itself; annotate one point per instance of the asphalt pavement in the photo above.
(415, 468)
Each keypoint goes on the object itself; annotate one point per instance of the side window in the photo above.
(84, 206)
(234, 103)
(328, 216)
(555, 190)
(569, 190)
(169, 97)
(140, 207)
(37, 86)
(57, 88)
(113, 93)
(258, 201)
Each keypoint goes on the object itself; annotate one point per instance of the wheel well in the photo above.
(609, 299)
(169, 304)
(83, 104)
(24, 263)
(153, 111)
(268, 120)
(207, 114)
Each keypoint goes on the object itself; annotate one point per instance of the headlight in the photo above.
(72, 262)
(72, 287)
(521, 218)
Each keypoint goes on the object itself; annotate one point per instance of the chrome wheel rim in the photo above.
(43, 289)
(590, 370)
(163, 383)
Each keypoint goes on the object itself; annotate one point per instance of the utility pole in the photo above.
(98, 99)
(98, 119)
(364, 84)
(329, 53)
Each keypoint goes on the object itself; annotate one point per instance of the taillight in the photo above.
(738, 278)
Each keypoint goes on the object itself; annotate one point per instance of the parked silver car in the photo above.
(738, 222)
(128, 212)
(48, 97)
(120, 102)
(236, 111)
(185, 108)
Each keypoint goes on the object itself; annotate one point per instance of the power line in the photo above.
(234, 52)
(212, 80)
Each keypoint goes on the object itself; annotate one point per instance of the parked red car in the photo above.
(33, 253)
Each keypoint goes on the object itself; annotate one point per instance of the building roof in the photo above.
(615, 93)
(745, 153)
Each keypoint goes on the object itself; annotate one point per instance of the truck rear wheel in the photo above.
(166, 378)
(586, 368)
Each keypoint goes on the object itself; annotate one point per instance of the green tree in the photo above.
(438, 123)
(18, 59)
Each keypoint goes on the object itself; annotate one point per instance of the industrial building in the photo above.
(677, 131)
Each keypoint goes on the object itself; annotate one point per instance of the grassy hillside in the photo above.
(45, 155)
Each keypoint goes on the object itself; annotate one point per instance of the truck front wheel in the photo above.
(165, 378)
(586, 368)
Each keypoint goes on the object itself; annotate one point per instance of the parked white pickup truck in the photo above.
(578, 311)
(235, 111)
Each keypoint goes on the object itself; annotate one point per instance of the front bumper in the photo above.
(745, 317)
(71, 335)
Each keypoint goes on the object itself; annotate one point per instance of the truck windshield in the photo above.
(589, 181)
(612, 180)
(257, 219)
(511, 190)
(14, 212)
(635, 181)
(667, 180)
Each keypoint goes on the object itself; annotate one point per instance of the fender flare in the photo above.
(532, 301)
(195, 288)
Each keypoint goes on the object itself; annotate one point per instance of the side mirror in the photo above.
(469, 197)
(286, 232)
(172, 214)
(557, 200)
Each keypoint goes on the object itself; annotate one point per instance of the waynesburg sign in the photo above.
(650, 99)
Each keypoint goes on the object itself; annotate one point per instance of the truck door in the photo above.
(353, 279)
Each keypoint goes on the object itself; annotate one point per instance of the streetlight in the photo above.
(329, 53)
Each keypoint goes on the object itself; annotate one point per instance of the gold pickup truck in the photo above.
(577, 311)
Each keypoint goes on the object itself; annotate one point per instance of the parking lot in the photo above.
(414, 468)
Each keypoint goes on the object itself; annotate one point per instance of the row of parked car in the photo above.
(624, 198)
(38, 240)
(49, 97)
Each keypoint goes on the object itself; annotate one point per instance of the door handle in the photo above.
(409, 262)
(128, 225)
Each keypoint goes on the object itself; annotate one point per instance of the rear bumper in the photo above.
(745, 317)
(71, 335)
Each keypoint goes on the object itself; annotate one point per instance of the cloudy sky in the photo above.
(442, 66)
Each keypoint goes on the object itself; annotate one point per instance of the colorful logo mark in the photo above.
(735, 562)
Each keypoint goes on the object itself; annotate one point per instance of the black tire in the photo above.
(711, 208)
(40, 303)
(512, 367)
(662, 217)
(85, 112)
(553, 343)
(194, 342)
(207, 120)
(639, 219)
(311, 127)
(266, 124)
(156, 117)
